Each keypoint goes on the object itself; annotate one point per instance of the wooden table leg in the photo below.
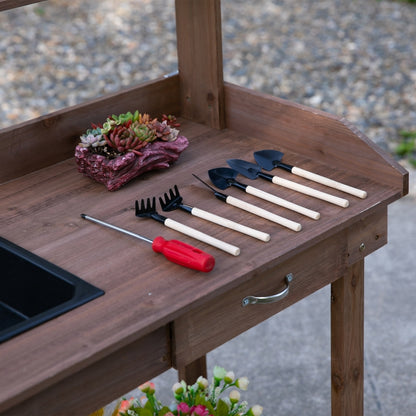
(347, 339)
(192, 371)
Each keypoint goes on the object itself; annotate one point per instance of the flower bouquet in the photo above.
(199, 399)
(126, 146)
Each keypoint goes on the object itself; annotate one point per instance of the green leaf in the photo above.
(99, 412)
(145, 412)
(163, 411)
(408, 134)
(222, 408)
(405, 147)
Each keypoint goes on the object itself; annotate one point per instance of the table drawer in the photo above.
(215, 322)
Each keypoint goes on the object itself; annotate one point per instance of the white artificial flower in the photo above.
(229, 377)
(242, 383)
(177, 388)
(257, 410)
(234, 396)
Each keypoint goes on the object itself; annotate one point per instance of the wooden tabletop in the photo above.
(41, 212)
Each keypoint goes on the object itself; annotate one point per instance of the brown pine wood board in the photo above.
(333, 141)
(347, 342)
(51, 138)
(199, 42)
(12, 4)
(40, 211)
(314, 268)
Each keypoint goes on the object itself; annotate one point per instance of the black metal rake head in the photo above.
(148, 209)
(173, 200)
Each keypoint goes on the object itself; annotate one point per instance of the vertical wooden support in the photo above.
(192, 371)
(347, 339)
(199, 44)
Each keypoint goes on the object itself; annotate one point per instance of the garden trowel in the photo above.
(225, 177)
(269, 159)
(253, 171)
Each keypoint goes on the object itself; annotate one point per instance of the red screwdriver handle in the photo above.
(184, 254)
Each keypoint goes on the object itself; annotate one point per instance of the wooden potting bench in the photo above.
(154, 314)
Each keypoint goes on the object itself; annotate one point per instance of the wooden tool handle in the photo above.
(329, 182)
(282, 202)
(191, 232)
(230, 224)
(263, 213)
(310, 191)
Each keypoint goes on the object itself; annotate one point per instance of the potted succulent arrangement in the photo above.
(199, 399)
(127, 145)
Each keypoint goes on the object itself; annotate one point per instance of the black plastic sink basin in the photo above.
(33, 290)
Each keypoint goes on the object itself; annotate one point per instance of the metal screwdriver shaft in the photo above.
(106, 224)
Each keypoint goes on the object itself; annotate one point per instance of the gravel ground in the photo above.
(351, 58)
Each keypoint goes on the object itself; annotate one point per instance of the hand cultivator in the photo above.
(148, 210)
(173, 200)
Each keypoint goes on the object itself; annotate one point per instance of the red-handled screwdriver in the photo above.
(174, 250)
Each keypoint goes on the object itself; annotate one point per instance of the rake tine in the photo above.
(174, 193)
(137, 207)
(165, 203)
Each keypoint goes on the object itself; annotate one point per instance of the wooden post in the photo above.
(347, 339)
(199, 44)
(192, 371)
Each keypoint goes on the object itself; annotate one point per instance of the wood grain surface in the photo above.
(41, 212)
(147, 320)
(198, 30)
(12, 4)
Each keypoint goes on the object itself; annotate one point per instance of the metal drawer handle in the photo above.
(251, 300)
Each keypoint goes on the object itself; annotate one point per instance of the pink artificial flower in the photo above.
(147, 387)
(199, 410)
(183, 409)
(124, 406)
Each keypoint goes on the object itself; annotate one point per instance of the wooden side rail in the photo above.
(49, 139)
(313, 133)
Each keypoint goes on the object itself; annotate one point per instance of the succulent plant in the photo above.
(92, 137)
(130, 137)
(119, 120)
(171, 120)
(164, 131)
(129, 132)
(143, 132)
